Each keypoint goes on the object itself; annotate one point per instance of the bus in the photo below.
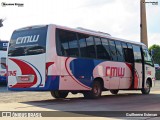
(60, 59)
(3, 66)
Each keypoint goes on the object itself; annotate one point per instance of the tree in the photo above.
(156, 53)
(1, 20)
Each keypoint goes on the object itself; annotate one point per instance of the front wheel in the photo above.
(95, 92)
(59, 94)
(147, 89)
(115, 92)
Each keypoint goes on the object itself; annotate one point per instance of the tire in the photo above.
(95, 92)
(59, 94)
(147, 89)
(115, 92)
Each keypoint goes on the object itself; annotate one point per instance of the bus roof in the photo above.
(30, 27)
(84, 31)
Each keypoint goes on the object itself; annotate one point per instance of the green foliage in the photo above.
(157, 74)
(156, 55)
(1, 22)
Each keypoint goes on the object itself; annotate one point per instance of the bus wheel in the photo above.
(59, 94)
(115, 92)
(147, 89)
(95, 92)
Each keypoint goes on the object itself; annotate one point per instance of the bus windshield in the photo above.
(28, 42)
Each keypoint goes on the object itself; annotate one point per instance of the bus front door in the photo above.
(129, 58)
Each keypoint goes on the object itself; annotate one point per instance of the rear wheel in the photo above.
(95, 92)
(147, 89)
(114, 91)
(59, 94)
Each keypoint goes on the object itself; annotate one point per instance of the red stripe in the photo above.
(48, 64)
(26, 70)
(135, 80)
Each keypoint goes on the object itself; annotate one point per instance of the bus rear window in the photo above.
(3, 45)
(28, 42)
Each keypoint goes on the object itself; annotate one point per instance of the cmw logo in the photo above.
(27, 39)
(5, 44)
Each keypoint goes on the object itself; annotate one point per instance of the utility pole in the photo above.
(143, 25)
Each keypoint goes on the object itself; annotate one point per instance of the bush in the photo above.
(157, 74)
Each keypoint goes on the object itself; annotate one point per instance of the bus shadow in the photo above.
(93, 107)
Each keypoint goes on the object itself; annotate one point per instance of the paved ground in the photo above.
(42, 101)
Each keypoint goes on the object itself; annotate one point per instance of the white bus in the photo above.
(62, 60)
(3, 65)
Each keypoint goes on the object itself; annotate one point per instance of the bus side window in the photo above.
(62, 43)
(68, 43)
(99, 48)
(137, 53)
(73, 44)
(105, 49)
(90, 47)
(83, 44)
(119, 51)
(113, 50)
(129, 46)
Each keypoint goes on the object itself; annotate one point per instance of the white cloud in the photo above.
(120, 18)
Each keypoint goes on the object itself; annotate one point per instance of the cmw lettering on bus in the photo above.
(27, 39)
(115, 71)
(5, 44)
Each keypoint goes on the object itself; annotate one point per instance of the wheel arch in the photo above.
(150, 80)
(100, 80)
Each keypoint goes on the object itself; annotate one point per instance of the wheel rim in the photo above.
(96, 90)
(147, 87)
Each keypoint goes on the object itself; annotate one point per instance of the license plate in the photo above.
(24, 78)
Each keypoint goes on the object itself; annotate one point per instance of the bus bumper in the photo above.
(52, 83)
(3, 79)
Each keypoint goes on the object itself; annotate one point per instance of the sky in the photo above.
(120, 18)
